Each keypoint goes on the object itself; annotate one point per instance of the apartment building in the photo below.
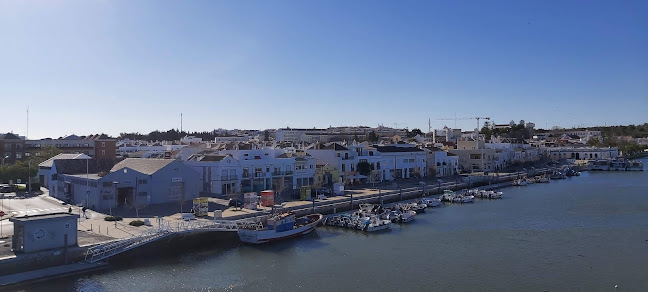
(12, 148)
(250, 168)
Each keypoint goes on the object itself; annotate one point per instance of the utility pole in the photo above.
(27, 134)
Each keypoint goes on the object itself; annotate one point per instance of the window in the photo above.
(411, 160)
(404, 160)
(343, 167)
(18, 155)
(107, 184)
(141, 181)
(103, 152)
(378, 165)
(103, 144)
(142, 194)
(27, 154)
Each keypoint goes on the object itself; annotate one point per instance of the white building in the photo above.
(403, 161)
(441, 163)
(190, 139)
(581, 153)
(296, 135)
(250, 169)
(232, 139)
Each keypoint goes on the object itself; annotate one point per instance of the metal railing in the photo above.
(106, 250)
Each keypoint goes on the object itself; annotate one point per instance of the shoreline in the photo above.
(188, 239)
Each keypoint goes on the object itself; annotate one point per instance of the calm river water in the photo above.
(586, 233)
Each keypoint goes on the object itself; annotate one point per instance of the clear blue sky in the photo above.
(121, 66)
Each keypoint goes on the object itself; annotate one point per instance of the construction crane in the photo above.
(475, 118)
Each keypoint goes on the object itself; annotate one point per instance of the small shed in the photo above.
(42, 232)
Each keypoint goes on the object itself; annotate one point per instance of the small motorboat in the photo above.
(448, 196)
(494, 195)
(520, 182)
(431, 202)
(467, 199)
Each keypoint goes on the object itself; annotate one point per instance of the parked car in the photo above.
(6, 189)
(235, 203)
(324, 191)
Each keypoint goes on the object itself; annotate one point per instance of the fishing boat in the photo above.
(279, 226)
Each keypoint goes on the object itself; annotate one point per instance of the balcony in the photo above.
(229, 177)
(280, 173)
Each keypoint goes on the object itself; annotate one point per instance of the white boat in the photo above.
(447, 196)
(280, 226)
(419, 207)
(495, 195)
(543, 179)
(377, 224)
(407, 216)
(467, 199)
(520, 182)
(431, 202)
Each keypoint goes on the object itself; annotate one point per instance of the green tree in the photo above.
(415, 132)
(593, 142)
(487, 132)
(364, 168)
(49, 151)
(372, 137)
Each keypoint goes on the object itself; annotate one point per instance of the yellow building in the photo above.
(326, 175)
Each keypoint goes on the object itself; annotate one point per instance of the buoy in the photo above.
(616, 286)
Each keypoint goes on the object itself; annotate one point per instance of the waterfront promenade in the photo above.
(387, 193)
(95, 230)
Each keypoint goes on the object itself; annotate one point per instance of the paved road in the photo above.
(18, 206)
